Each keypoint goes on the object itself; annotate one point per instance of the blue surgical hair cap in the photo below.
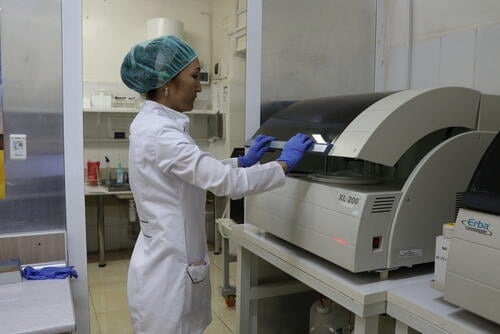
(152, 63)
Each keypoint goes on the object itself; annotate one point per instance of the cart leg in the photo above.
(227, 291)
(246, 308)
(100, 229)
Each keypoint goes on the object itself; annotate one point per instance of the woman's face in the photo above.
(182, 89)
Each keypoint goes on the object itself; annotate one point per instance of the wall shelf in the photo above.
(111, 110)
(211, 121)
(201, 112)
(105, 140)
(240, 37)
(136, 110)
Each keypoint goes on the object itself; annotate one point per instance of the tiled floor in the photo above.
(108, 295)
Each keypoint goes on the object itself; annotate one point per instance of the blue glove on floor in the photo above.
(294, 150)
(49, 273)
(256, 151)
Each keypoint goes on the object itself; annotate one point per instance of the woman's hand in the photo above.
(256, 151)
(294, 150)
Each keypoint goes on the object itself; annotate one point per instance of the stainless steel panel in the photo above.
(31, 62)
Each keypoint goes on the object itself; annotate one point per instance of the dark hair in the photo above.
(151, 94)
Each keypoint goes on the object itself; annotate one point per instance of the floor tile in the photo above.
(116, 269)
(94, 326)
(218, 261)
(230, 321)
(126, 254)
(109, 284)
(220, 308)
(216, 279)
(108, 256)
(117, 322)
(110, 301)
(217, 327)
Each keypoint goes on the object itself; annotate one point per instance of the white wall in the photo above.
(112, 27)
(454, 42)
(308, 49)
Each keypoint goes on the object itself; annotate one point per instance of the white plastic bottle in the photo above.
(119, 174)
(442, 247)
(327, 317)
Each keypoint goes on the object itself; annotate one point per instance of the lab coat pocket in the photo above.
(198, 273)
(197, 289)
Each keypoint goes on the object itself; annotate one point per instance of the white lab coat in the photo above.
(168, 177)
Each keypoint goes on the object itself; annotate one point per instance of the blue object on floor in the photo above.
(49, 273)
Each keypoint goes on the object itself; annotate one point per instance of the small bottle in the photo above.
(119, 174)
(93, 173)
(441, 257)
(108, 172)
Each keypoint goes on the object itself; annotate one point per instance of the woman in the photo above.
(168, 283)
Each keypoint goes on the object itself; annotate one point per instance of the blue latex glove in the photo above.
(294, 150)
(49, 273)
(256, 151)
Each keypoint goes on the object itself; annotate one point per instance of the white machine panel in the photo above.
(472, 272)
(336, 223)
(430, 196)
(388, 128)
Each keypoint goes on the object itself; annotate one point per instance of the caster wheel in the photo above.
(230, 300)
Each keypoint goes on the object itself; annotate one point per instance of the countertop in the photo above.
(362, 293)
(101, 190)
(31, 306)
(423, 308)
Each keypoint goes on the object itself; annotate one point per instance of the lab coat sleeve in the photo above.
(230, 161)
(176, 154)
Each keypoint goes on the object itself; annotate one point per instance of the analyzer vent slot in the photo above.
(458, 202)
(383, 204)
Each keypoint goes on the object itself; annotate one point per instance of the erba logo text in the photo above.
(478, 226)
